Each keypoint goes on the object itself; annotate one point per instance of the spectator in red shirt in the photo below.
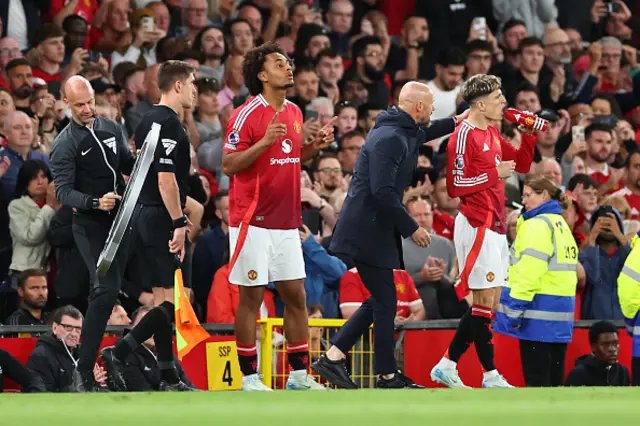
(446, 208)
(49, 43)
(61, 9)
(599, 145)
(9, 50)
(353, 293)
(631, 191)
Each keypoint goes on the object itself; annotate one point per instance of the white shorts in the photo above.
(491, 266)
(267, 255)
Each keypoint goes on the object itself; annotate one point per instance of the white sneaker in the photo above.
(495, 380)
(303, 381)
(252, 383)
(448, 377)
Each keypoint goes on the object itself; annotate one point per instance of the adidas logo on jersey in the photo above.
(169, 145)
(110, 143)
(485, 148)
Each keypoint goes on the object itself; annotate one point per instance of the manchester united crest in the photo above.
(252, 275)
(528, 121)
(490, 277)
(297, 127)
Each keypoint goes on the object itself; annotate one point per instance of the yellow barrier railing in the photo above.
(274, 367)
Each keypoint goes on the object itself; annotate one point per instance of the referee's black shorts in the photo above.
(152, 232)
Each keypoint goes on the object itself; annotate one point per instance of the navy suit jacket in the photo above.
(373, 219)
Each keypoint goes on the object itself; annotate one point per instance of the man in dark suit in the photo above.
(371, 226)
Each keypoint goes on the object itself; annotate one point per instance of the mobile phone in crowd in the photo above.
(148, 23)
(479, 25)
(577, 133)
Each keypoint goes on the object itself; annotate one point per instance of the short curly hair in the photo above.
(254, 63)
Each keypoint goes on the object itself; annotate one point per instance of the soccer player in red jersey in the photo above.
(262, 154)
(479, 159)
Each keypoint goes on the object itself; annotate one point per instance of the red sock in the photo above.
(298, 354)
(248, 358)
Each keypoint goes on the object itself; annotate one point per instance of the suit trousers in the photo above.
(542, 363)
(379, 309)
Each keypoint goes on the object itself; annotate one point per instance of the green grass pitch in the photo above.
(441, 407)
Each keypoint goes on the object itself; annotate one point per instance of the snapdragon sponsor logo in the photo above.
(283, 161)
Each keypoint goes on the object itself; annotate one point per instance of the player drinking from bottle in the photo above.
(262, 154)
(479, 160)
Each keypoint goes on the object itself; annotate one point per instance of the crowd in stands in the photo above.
(574, 63)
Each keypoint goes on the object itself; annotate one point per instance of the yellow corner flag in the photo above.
(189, 332)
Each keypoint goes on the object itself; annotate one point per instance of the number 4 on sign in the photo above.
(223, 369)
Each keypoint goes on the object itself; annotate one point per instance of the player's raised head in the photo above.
(267, 65)
(483, 93)
(176, 79)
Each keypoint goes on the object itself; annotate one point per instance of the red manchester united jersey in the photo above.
(267, 194)
(353, 293)
(472, 156)
(443, 224)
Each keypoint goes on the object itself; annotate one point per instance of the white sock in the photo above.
(490, 374)
(447, 364)
(296, 373)
(250, 377)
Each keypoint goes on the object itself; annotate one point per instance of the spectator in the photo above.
(86, 9)
(328, 174)
(479, 54)
(323, 274)
(118, 315)
(330, 69)
(30, 215)
(340, 20)
(249, 11)
(6, 107)
(194, 17)
(601, 366)
(141, 372)
(534, 14)
(631, 190)
(34, 294)
(54, 358)
(513, 32)
(407, 60)
(233, 80)
(209, 252)
(22, 19)
(603, 258)
(350, 145)
(160, 15)
(599, 147)
(575, 218)
(550, 168)
(547, 140)
(368, 63)
(19, 78)
(143, 92)
(115, 33)
(50, 46)
(241, 37)
(526, 98)
(353, 90)
(445, 208)
(367, 114)
(209, 127)
(446, 85)
(18, 129)
(9, 50)
(142, 51)
(430, 267)
(531, 60)
(586, 191)
(212, 47)
(321, 106)
(306, 85)
(318, 214)
(611, 79)
(353, 293)
(75, 29)
(297, 15)
(347, 118)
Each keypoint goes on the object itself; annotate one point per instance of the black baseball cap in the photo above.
(548, 114)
